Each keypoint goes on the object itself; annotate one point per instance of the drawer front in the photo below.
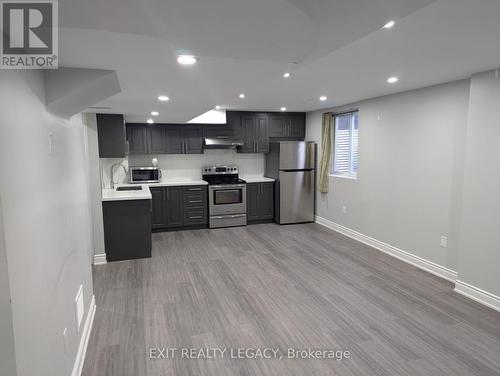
(195, 188)
(195, 216)
(195, 199)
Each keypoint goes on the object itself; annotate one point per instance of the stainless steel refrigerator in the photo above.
(293, 165)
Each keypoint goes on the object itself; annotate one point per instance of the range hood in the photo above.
(222, 143)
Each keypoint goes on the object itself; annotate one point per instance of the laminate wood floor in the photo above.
(298, 286)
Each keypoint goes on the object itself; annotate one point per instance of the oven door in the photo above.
(227, 199)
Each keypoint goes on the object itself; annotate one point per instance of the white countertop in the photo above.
(114, 195)
(257, 179)
(177, 182)
(144, 194)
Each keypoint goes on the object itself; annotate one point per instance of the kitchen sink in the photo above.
(130, 188)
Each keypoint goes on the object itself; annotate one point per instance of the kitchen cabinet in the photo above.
(174, 142)
(256, 129)
(255, 133)
(165, 139)
(232, 128)
(193, 139)
(260, 202)
(183, 139)
(137, 139)
(174, 207)
(111, 135)
(156, 139)
(159, 217)
(127, 229)
(179, 207)
(287, 127)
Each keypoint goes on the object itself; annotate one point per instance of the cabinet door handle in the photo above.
(194, 189)
(196, 217)
(194, 201)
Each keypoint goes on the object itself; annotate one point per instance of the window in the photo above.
(345, 145)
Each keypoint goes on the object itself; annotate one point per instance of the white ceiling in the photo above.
(334, 48)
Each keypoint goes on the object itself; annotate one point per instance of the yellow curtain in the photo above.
(326, 154)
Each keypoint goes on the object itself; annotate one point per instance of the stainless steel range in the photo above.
(227, 196)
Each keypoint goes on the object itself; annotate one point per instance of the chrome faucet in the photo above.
(111, 178)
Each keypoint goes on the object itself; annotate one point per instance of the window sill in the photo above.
(351, 177)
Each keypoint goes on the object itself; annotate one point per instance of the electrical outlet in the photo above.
(344, 209)
(65, 339)
(379, 117)
(444, 241)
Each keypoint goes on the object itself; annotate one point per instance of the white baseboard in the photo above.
(100, 259)
(82, 349)
(428, 266)
(478, 295)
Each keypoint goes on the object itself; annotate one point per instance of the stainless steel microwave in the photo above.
(145, 175)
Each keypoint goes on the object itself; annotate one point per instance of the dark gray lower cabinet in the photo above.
(179, 207)
(127, 229)
(260, 202)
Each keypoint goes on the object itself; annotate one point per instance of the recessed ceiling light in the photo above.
(392, 80)
(163, 98)
(150, 121)
(389, 25)
(242, 95)
(186, 59)
(323, 98)
(217, 107)
(283, 108)
(155, 113)
(286, 75)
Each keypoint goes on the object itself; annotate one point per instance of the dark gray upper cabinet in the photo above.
(111, 135)
(193, 139)
(262, 133)
(254, 128)
(260, 201)
(255, 132)
(277, 126)
(174, 141)
(137, 139)
(287, 126)
(165, 139)
(232, 128)
(156, 140)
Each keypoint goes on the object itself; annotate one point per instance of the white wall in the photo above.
(94, 176)
(408, 184)
(7, 348)
(46, 222)
(479, 248)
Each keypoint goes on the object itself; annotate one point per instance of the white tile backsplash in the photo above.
(188, 166)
